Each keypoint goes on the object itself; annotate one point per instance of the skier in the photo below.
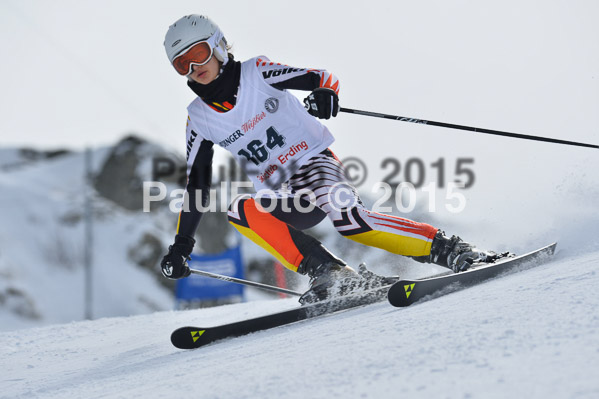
(245, 108)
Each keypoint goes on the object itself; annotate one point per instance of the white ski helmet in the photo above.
(192, 29)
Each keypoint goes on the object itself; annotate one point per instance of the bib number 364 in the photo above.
(257, 151)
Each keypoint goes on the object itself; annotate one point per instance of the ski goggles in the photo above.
(199, 53)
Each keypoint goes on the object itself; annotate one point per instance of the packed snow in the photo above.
(530, 334)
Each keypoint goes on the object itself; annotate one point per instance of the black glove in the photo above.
(174, 264)
(322, 103)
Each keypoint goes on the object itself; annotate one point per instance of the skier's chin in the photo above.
(202, 78)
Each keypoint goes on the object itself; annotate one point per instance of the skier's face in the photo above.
(204, 74)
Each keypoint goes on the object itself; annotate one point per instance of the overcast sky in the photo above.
(85, 73)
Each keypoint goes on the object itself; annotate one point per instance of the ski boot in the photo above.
(458, 255)
(331, 277)
(325, 271)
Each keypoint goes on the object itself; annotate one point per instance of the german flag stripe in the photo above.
(407, 246)
(268, 232)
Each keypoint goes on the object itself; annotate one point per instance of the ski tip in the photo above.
(406, 292)
(548, 250)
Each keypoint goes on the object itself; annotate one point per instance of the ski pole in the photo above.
(468, 128)
(245, 282)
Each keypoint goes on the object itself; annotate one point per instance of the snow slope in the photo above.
(42, 246)
(533, 334)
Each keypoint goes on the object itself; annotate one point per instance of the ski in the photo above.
(406, 292)
(402, 293)
(195, 337)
